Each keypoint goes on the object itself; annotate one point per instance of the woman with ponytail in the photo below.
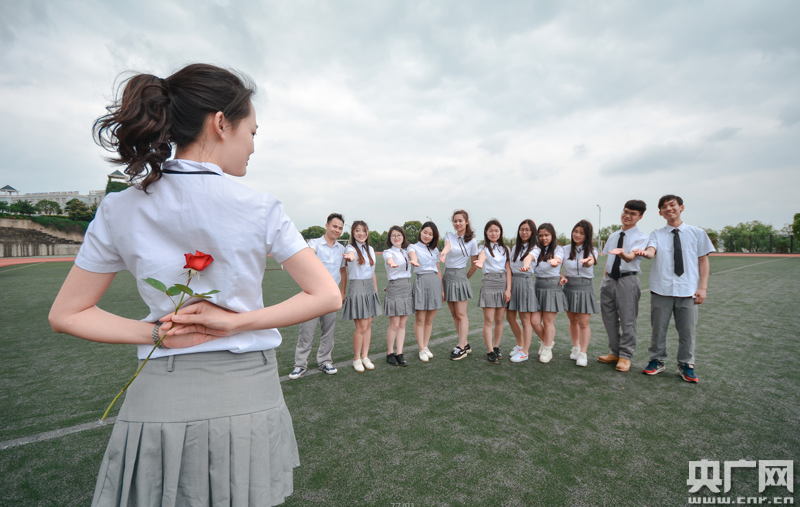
(362, 302)
(209, 393)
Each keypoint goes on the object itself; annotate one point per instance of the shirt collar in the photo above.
(184, 165)
(681, 227)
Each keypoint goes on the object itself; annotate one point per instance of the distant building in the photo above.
(11, 195)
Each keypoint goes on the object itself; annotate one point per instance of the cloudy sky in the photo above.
(398, 110)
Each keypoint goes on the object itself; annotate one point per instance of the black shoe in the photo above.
(401, 360)
(391, 359)
(497, 353)
(458, 353)
(468, 349)
(492, 357)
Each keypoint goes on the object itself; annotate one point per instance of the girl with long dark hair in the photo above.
(577, 282)
(495, 287)
(459, 249)
(198, 386)
(399, 302)
(362, 303)
(424, 256)
(523, 294)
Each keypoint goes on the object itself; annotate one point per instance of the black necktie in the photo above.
(676, 243)
(617, 259)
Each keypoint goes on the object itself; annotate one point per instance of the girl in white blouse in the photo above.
(549, 294)
(495, 287)
(398, 303)
(523, 294)
(581, 302)
(362, 302)
(459, 249)
(424, 256)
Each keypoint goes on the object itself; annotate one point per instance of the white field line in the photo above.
(49, 435)
(21, 267)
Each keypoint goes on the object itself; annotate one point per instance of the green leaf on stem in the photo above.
(207, 293)
(156, 284)
(202, 296)
(173, 291)
(183, 288)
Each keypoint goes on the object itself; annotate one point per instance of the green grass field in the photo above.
(446, 432)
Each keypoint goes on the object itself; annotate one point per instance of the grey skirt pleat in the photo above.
(212, 431)
(550, 295)
(362, 302)
(580, 296)
(493, 286)
(427, 292)
(399, 300)
(456, 285)
(523, 294)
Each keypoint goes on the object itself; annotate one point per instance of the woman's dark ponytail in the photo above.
(154, 113)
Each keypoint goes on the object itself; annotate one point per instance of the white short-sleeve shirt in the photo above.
(356, 271)
(544, 269)
(494, 263)
(694, 244)
(573, 268)
(331, 256)
(400, 257)
(517, 264)
(428, 260)
(634, 238)
(461, 252)
(196, 209)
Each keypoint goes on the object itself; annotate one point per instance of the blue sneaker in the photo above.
(687, 372)
(297, 373)
(653, 368)
(328, 368)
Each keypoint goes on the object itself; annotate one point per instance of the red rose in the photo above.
(199, 261)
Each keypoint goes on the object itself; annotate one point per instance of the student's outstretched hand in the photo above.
(587, 262)
(391, 263)
(617, 251)
(562, 281)
(413, 263)
(525, 268)
(636, 251)
(478, 263)
(555, 261)
(442, 257)
(350, 257)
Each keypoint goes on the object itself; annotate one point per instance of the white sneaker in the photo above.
(574, 354)
(582, 359)
(514, 351)
(423, 356)
(428, 353)
(297, 373)
(358, 366)
(546, 355)
(541, 345)
(519, 357)
(367, 363)
(329, 369)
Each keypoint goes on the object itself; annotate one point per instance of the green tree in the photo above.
(23, 208)
(412, 229)
(78, 210)
(796, 226)
(315, 231)
(345, 235)
(607, 231)
(46, 207)
(375, 241)
(3, 207)
(748, 237)
(115, 186)
(562, 239)
(714, 237)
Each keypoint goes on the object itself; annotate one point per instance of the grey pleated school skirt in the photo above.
(201, 429)
(580, 296)
(361, 302)
(493, 286)
(456, 285)
(427, 292)
(523, 294)
(550, 295)
(399, 300)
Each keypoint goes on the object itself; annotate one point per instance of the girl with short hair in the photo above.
(495, 287)
(399, 302)
(523, 295)
(427, 293)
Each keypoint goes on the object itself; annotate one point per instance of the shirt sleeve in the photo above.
(641, 242)
(473, 250)
(704, 244)
(283, 239)
(98, 253)
(606, 247)
(312, 244)
(652, 240)
(559, 253)
(388, 254)
(350, 248)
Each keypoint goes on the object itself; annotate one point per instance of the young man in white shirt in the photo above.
(620, 290)
(678, 283)
(331, 253)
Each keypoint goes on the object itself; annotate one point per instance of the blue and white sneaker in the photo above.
(687, 372)
(328, 368)
(296, 373)
(653, 368)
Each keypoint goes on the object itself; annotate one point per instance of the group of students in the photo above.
(678, 282)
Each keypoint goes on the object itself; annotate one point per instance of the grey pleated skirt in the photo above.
(523, 294)
(580, 296)
(427, 292)
(362, 302)
(550, 295)
(456, 285)
(201, 429)
(399, 300)
(493, 286)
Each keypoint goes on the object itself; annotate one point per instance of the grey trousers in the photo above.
(306, 338)
(619, 306)
(661, 310)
